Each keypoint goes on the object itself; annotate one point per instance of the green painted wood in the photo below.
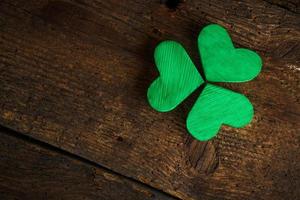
(221, 61)
(217, 106)
(178, 77)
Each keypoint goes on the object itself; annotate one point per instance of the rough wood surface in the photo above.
(29, 170)
(74, 74)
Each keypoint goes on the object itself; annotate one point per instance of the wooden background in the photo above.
(75, 122)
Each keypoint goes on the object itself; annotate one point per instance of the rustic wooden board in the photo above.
(74, 74)
(29, 170)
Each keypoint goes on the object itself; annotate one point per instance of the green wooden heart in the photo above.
(217, 106)
(178, 77)
(221, 61)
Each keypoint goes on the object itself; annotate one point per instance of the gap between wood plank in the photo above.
(26, 138)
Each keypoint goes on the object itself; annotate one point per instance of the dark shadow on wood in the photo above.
(10, 132)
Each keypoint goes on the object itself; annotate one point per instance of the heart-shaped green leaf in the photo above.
(221, 61)
(217, 106)
(178, 77)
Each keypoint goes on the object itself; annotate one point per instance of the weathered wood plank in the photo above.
(34, 171)
(75, 73)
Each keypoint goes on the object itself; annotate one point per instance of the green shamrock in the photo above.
(221, 63)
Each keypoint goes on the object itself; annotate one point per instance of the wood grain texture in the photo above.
(75, 74)
(30, 170)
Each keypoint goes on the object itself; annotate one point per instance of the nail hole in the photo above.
(172, 4)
